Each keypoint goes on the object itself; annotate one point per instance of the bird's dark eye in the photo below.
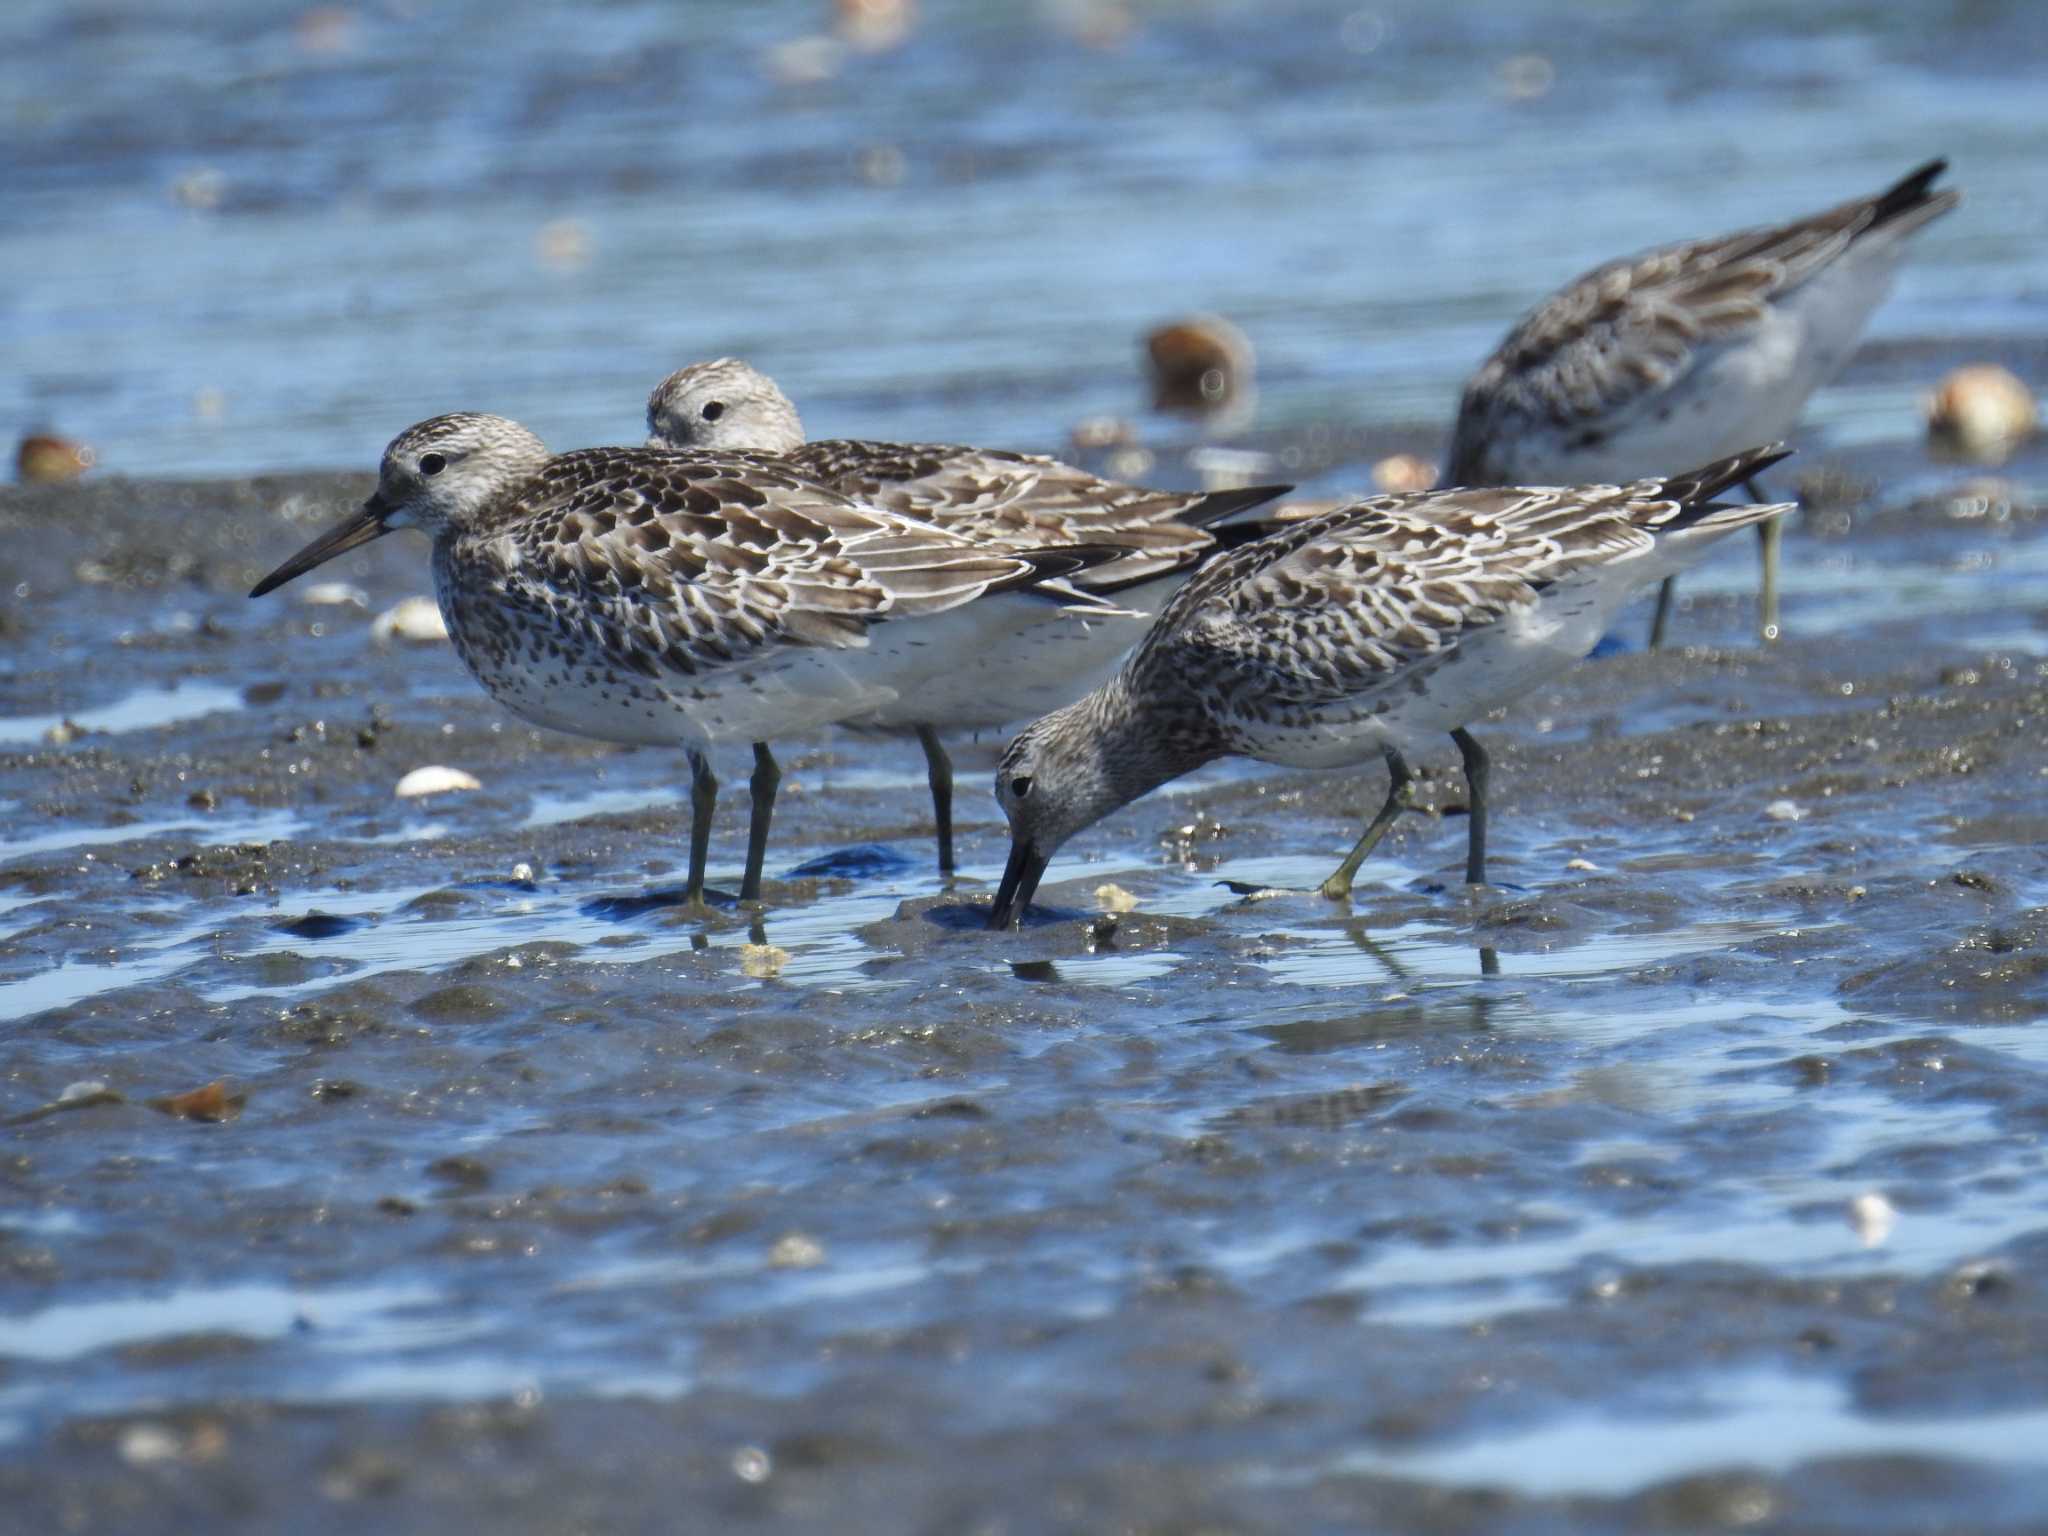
(713, 409)
(432, 463)
(1020, 787)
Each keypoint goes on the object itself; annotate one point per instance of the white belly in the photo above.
(1012, 657)
(1739, 394)
(787, 693)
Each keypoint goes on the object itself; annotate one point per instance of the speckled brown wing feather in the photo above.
(1340, 605)
(686, 561)
(1637, 325)
(1026, 501)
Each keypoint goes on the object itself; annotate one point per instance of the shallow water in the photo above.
(1692, 1176)
(345, 237)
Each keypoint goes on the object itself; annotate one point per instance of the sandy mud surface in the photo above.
(1691, 1176)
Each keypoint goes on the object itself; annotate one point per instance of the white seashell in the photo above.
(144, 1445)
(434, 780)
(413, 618)
(335, 594)
(1873, 1217)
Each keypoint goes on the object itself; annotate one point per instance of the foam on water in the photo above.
(1764, 1420)
(143, 710)
(215, 832)
(66, 1330)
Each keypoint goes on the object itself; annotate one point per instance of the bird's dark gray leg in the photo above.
(1667, 595)
(1476, 766)
(767, 777)
(1770, 536)
(939, 771)
(1338, 886)
(703, 799)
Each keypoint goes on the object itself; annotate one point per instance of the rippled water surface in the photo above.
(1692, 1176)
(245, 242)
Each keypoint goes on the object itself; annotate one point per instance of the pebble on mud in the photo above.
(45, 459)
(764, 961)
(1404, 472)
(417, 619)
(434, 780)
(143, 1445)
(1980, 412)
(1783, 810)
(210, 1104)
(1199, 364)
(81, 1095)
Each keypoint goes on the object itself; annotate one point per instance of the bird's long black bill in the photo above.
(1020, 883)
(359, 530)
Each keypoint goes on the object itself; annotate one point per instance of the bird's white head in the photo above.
(722, 406)
(447, 472)
(444, 474)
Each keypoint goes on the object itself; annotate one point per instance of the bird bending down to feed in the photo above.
(662, 599)
(1360, 633)
(1687, 353)
(1009, 501)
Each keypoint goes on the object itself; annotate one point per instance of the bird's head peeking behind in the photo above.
(722, 406)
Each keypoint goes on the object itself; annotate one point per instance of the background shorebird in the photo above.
(1357, 634)
(1685, 353)
(666, 599)
(1009, 501)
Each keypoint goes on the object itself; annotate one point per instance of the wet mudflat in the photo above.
(1692, 1176)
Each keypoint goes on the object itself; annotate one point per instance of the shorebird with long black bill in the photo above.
(1010, 501)
(687, 600)
(1358, 634)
